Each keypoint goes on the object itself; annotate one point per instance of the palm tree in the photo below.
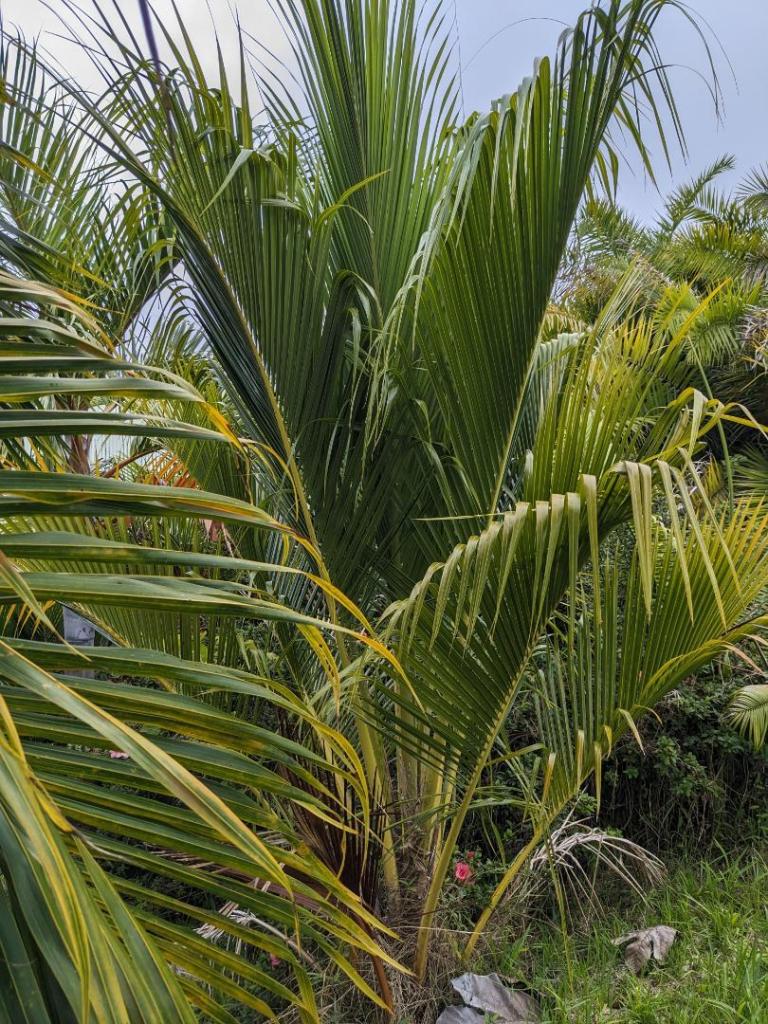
(706, 241)
(397, 438)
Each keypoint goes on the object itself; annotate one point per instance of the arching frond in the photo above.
(749, 712)
(139, 764)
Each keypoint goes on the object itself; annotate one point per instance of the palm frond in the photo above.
(492, 255)
(749, 712)
(683, 202)
(54, 184)
(210, 790)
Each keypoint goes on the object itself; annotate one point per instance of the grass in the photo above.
(716, 973)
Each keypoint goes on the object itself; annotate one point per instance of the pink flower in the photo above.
(117, 755)
(471, 856)
(462, 872)
(274, 961)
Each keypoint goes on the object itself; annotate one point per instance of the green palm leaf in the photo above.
(749, 712)
(207, 788)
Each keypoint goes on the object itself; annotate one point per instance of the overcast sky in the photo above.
(498, 40)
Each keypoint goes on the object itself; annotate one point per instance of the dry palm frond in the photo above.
(571, 847)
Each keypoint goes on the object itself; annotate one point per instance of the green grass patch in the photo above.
(716, 973)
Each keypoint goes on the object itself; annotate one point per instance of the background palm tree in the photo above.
(706, 240)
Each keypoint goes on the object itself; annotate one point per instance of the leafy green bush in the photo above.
(697, 780)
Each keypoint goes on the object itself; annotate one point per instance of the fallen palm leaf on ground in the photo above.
(646, 945)
(487, 995)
